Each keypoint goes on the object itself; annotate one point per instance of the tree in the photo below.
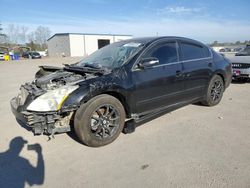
(32, 45)
(42, 34)
(1, 28)
(18, 34)
(37, 39)
(12, 32)
(31, 36)
(247, 42)
(215, 43)
(237, 42)
(2, 35)
(23, 34)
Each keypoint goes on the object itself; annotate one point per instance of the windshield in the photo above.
(111, 56)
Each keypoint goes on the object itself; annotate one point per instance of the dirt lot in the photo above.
(194, 146)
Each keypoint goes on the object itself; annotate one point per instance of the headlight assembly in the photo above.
(52, 100)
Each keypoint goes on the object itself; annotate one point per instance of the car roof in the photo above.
(146, 40)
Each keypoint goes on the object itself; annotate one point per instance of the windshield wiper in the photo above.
(84, 69)
(93, 65)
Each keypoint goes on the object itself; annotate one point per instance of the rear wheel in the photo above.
(214, 91)
(99, 121)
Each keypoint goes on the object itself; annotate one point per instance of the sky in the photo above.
(204, 20)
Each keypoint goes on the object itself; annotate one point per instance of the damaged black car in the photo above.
(121, 85)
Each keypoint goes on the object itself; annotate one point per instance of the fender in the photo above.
(221, 73)
(86, 92)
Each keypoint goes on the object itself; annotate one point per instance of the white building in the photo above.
(80, 44)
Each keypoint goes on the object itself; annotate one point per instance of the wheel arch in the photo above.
(115, 94)
(221, 74)
(122, 99)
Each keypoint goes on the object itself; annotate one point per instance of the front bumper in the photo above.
(14, 110)
(42, 123)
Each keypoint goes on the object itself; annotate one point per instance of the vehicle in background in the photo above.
(241, 67)
(132, 80)
(225, 50)
(31, 55)
(239, 49)
(241, 64)
(43, 53)
(244, 52)
(2, 56)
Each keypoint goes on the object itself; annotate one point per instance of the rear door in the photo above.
(162, 84)
(197, 68)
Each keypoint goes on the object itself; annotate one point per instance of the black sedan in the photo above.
(120, 86)
(31, 55)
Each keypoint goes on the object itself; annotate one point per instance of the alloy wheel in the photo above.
(104, 121)
(216, 90)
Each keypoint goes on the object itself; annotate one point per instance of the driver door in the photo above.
(161, 85)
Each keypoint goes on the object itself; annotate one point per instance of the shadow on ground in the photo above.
(15, 170)
(241, 81)
(73, 136)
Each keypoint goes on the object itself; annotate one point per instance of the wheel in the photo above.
(99, 121)
(214, 91)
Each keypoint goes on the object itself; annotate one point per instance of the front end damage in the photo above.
(40, 122)
(48, 123)
(45, 122)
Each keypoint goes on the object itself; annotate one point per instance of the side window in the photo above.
(206, 52)
(192, 51)
(166, 53)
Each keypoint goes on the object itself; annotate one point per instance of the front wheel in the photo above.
(99, 121)
(214, 91)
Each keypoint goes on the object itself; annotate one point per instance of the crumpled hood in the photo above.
(57, 79)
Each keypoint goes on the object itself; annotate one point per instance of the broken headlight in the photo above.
(52, 100)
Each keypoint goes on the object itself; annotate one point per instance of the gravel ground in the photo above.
(194, 146)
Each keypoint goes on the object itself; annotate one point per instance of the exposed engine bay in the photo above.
(57, 79)
(47, 79)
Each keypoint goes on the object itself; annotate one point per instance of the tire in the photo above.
(214, 91)
(99, 121)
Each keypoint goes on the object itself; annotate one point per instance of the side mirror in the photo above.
(148, 62)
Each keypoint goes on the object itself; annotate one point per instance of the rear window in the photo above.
(192, 51)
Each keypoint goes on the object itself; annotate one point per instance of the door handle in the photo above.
(210, 64)
(178, 73)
